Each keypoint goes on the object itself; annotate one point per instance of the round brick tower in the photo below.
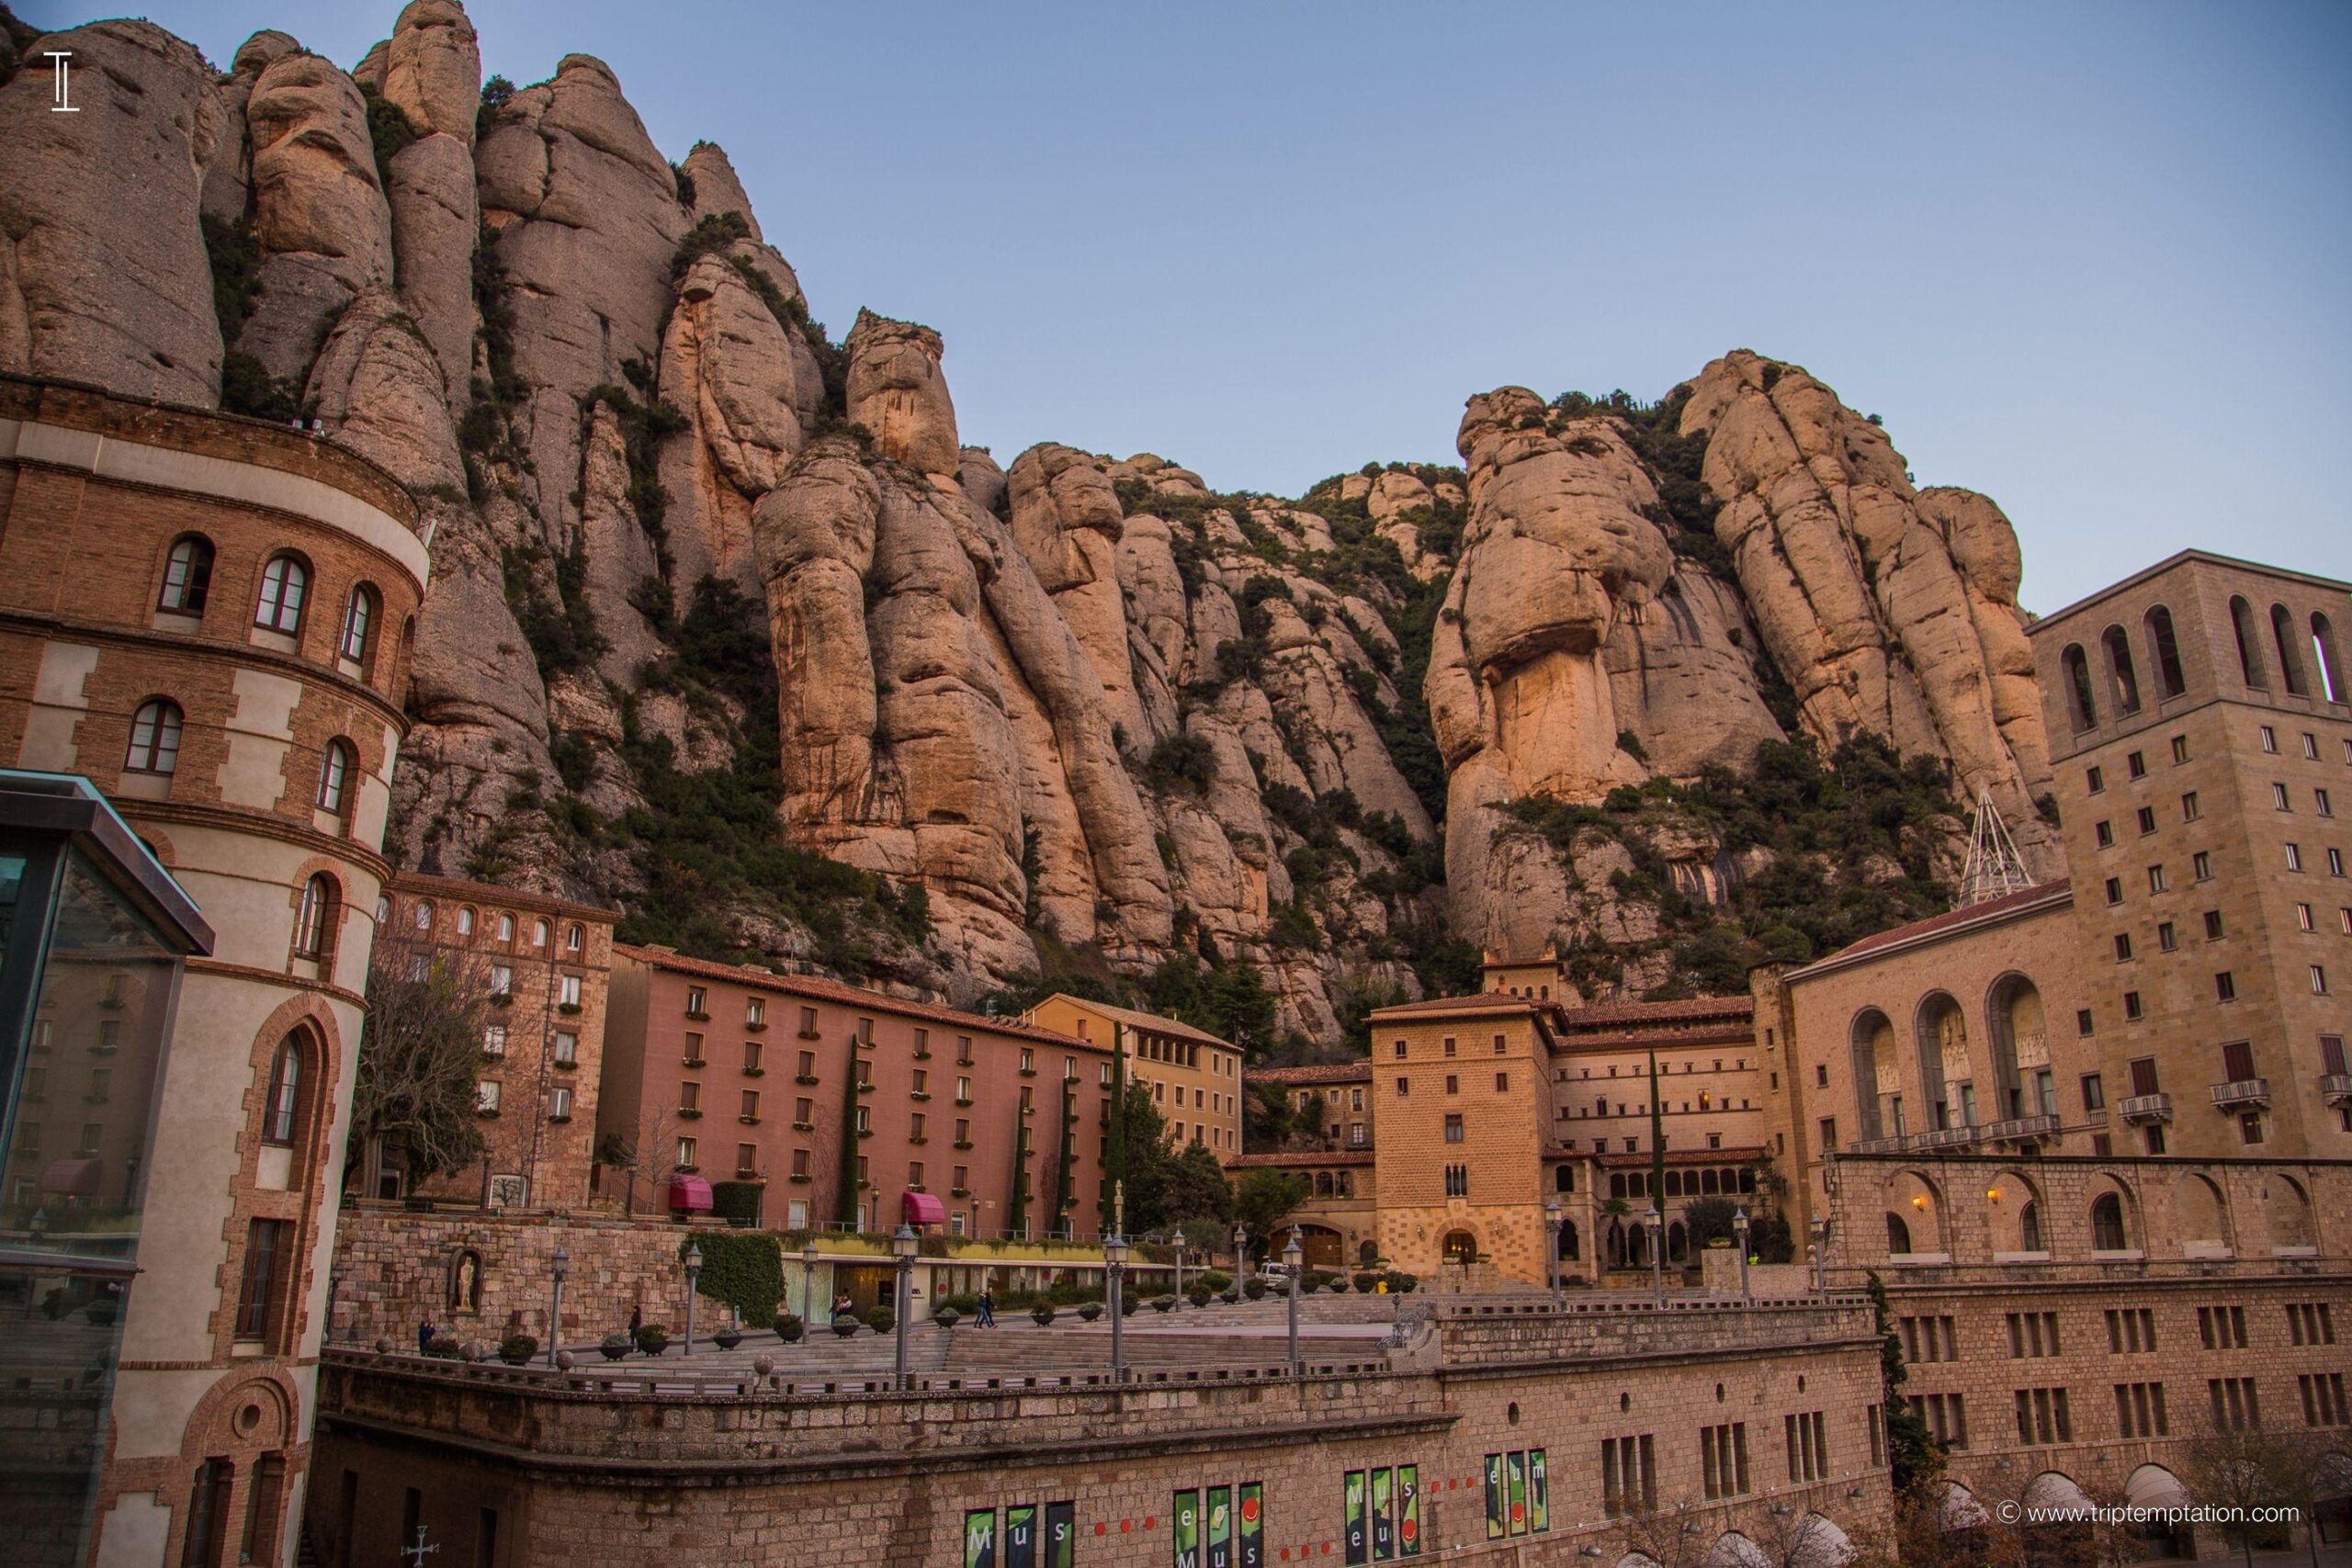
(210, 618)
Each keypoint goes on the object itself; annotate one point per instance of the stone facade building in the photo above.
(836, 1101)
(210, 619)
(1194, 1077)
(546, 964)
(2200, 723)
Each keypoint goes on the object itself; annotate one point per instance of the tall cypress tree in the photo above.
(845, 1209)
(1657, 1156)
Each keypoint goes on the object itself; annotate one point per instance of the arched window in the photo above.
(1677, 1243)
(314, 923)
(1322, 1184)
(1674, 1184)
(278, 1112)
(538, 933)
(2164, 652)
(1570, 1249)
(358, 625)
(2107, 1234)
(2080, 705)
(1898, 1235)
(466, 921)
(2324, 657)
(2291, 658)
(2122, 680)
(506, 927)
(2249, 644)
(284, 583)
(383, 911)
(335, 768)
(574, 938)
(187, 576)
(1461, 1246)
(154, 738)
(425, 915)
(2029, 1227)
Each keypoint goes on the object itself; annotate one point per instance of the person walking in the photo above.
(425, 1335)
(636, 1323)
(987, 1309)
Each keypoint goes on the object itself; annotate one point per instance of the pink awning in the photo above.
(922, 1208)
(74, 1177)
(689, 1193)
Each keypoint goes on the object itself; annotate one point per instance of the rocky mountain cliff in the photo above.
(729, 628)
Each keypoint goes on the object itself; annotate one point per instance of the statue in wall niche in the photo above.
(465, 1283)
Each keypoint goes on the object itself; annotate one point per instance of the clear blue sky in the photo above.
(2091, 259)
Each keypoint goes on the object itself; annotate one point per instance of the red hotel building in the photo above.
(836, 1100)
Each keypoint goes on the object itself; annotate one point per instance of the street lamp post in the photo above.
(1658, 1254)
(555, 1307)
(904, 1245)
(694, 1277)
(1241, 1252)
(1739, 1240)
(1292, 1254)
(1179, 1241)
(808, 1287)
(1552, 1246)
(1114, 1267)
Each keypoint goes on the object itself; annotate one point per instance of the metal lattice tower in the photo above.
(1994, 869)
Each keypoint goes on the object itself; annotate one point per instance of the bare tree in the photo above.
(2244, 1470)
(648, 1154)
(420, 1059)
(1670, 1537)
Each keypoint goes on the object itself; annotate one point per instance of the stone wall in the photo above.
(602, 1477)
(399, 1268)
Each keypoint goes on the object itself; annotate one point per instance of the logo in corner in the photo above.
(62, 82)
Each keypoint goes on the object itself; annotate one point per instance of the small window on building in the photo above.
(187, 576)
(154, 738)
(284, 583)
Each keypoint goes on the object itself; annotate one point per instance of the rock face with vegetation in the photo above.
(728, 628)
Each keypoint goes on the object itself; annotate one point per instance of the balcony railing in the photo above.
(2336, 1087)
(2146, 1108)
(1946, 1138)
(1881, 1146)
(2243, 1091)
(2023, 1129)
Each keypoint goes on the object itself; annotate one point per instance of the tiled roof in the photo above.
(1738, 1034)
(1479, 1002)
(1321, 1072)
(1150, 1022)
(1657, 1012)
(1286, 1160)
(818, 988)
(1745, 1154)
(1954, 918)
(417, 882)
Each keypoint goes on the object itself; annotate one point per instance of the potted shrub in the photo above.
(1335, 1283)
(1231, 1298)
(1217, 1281)
(654, 1338)
(882, 1319)
(1312, 1280)
(443, 1348)
(1254, 1288)
(1043, 1313)
(788, 1328)
(1090, 1310)
(1130, 1303)
(845, 1324)
(616, 1346)
(1200, 1295)
(517, 1349)
(1163, 1304)
(947, 1317)
(1365, 1281)
(728, 1338)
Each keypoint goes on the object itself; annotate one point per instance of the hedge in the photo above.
(743, 1269)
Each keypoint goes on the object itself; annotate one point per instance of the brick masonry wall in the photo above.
(889, 1478)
